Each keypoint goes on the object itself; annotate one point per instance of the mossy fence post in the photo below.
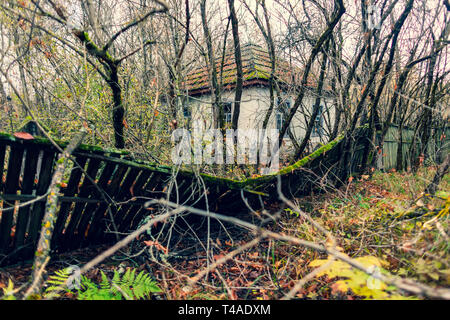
(43, 248)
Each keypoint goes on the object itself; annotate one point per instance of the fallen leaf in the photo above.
(339, 286)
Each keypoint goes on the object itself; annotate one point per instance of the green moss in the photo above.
(224, 182)
(249, 185)
(6, 136)
(93, 48)
(261, 74)
(299, 164)
(312, 156)
(63, 144)
(252, 184)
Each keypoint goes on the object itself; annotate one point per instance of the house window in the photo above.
(318, 123)
(186, 112)
(280, 120)
(283, 106)
(227, 115)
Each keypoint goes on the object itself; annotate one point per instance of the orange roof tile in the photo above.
(256, 68)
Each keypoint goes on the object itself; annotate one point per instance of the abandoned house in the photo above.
(255, 101)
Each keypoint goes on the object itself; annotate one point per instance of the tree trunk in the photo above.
(399, 166)
(348, 144)
(118, 111)
(43, 248)
(371, 140)
(339, 11)
(316, 106)
(215, 90)
(441, 171)
(239, 71)
(430, 99)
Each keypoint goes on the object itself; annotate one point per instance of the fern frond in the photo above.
(105, 281)
(134, 286)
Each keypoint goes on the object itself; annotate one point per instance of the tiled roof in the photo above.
(256, 69)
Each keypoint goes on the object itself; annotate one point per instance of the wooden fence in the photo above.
(86, 209)
(437, 149)
(103, 193)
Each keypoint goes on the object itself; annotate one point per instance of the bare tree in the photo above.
(238, 59)
(109, 65)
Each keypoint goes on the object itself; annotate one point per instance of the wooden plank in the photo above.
(29, 174)
(148, 191)
(140, 213)
(63, 199)
(11, 187)
(2, 165)
(133, 208)
(88, 216)
(131, 164)
(86, 189)
(155, 186)
(102, 212)
(127, 224)
(113, 191)
(183, 190)
(191, 192)
(69, 192)
(102, 183)
(45, 177)
(123, 195)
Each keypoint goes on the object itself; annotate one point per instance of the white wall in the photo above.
(254, 106)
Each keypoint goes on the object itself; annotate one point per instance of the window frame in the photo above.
(317, 130)
(279, 120)
(282, 105)
(227, 116)
(187, 110)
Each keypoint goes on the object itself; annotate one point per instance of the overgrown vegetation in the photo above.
(384, 221)
(124, 285)
(351, 87)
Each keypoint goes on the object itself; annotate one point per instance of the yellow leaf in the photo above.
(340, 286)
(368, 261)
(317, 263)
